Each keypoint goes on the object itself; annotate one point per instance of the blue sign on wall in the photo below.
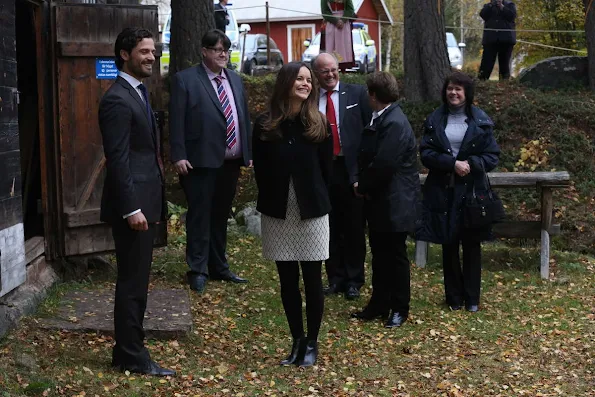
(105, 68)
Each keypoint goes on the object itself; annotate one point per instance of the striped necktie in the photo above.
(226, 106)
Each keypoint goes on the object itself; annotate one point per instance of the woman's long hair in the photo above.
(280, 106)
(468, 85)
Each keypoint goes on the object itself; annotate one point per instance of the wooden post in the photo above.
(547, 205)
(268, 22)
(421, 253)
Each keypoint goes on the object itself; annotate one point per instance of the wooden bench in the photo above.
(545, 182)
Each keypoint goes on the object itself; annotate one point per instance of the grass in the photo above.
(532, 337)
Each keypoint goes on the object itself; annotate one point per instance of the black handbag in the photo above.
(483, 207)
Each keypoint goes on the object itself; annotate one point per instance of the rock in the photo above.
(557, 72)
(27, 361)
(250, 218)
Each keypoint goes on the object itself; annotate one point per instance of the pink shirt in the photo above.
(236, 152)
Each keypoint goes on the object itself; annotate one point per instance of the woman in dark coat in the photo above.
(458, 147)
(389, 182)
(293, 155)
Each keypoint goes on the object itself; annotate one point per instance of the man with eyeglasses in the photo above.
(210, 138)
(348, 110)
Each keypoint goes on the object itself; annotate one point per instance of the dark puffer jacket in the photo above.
(441, 219)
(496, 18)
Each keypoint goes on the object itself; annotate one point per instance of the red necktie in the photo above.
(332, 118)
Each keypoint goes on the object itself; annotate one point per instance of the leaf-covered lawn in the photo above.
(531, 338)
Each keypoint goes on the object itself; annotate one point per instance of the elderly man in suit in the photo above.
(210, 137)
(133, 195)
(348, 110)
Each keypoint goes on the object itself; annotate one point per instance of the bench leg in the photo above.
(421, 253)
(545, 255)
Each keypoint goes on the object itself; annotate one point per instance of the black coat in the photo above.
(308, 163)
(133, 180)
(441, 220)
(496, 18)
(389, 175)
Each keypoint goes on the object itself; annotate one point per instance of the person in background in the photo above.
(210, 139)
(497, 14)
(336, 36)
(293, 151)
(458, 147)
(347, 108)
(221, 15)
(389, 182)
(133, 199)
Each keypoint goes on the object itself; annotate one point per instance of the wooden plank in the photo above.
(34, 247)
(524, 179)
(8, 106)
(82, 218)
(522, 229)
(10, 174)
(547, 208)
(544, 269)
(9, 136)
(11, 212)
(93, 49)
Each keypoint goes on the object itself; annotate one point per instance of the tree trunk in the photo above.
(590, 33)
(425, 61)
(389, 47)
(190, 20)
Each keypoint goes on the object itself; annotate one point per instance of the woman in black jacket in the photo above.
(293, 154)
(458, 148)
(389, 182)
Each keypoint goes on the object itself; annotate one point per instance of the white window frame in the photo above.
(312, 27)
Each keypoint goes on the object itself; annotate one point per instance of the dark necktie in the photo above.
(143, 89)
(230, 137)
(332, 119)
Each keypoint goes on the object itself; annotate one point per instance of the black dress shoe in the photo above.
(310, 353)
(151, 368)
(455, 307)
(331, 289)
(472, 308)
(368, 314)
(351, 293)
(230, 277)
(297, 346)
(395, 319)
(197, 283)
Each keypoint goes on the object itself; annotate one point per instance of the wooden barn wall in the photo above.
(12, 245)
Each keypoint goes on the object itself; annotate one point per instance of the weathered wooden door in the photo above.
(298, 36)
(84, 36)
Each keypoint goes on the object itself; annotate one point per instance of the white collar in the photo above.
(377, 114)
(323, 91)
(131, 80)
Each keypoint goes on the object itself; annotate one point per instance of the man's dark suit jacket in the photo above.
(355, 114)
(220, 20)
(133, 180)
(197, 123)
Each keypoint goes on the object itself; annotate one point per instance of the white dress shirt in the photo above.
(377, 114)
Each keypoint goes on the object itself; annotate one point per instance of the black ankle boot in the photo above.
(310, 354)
(298, 344)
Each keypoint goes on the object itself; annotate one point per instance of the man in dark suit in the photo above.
(221, 15)
(348, 110)
(210, 137)
(133, 199)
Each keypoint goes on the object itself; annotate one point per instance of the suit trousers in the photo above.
(210, 193)
(345, 266)
(462, 285)
(490, 51)
(391, 289)
(134, 254)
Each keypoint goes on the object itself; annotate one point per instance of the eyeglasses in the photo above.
(218, 51)
(327, 71)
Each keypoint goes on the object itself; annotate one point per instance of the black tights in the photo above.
(289, 277)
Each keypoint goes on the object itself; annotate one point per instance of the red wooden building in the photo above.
(291, 22)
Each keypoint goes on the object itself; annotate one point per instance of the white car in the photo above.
(364, 49)
(455, 55)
